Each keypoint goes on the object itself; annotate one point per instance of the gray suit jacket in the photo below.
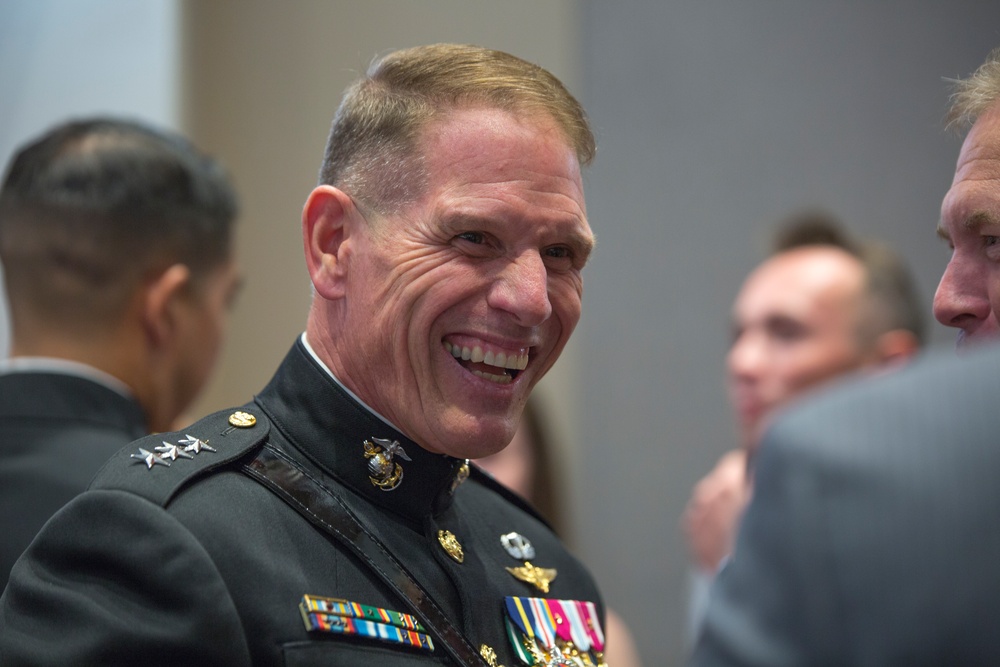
(873, 537)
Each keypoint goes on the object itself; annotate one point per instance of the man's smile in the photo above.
(484, 360)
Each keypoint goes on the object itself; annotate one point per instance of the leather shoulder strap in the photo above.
(317, 503)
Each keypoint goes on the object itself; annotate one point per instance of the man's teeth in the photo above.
(517, 362)
(501, 379)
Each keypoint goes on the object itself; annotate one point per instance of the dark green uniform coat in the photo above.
(56, 431)
(196, 563)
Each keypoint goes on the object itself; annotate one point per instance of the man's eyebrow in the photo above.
(979, 219)
(972, 223)
(584, 244)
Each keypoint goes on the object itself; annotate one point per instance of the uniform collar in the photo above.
(57, 366)
(321, 419)
(49, 396)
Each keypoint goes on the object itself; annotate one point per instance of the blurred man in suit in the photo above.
(116, 245)
(873, 536)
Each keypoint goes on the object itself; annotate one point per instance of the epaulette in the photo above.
(158, 466)
(484, 478)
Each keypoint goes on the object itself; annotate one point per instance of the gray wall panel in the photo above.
(716, 119)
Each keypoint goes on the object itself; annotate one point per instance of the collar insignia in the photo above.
(384, 473)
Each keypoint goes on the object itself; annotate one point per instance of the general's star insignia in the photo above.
(539, 577)
(172, 451)
(150, 458)
(195, 445)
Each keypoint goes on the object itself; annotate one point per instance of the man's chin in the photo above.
(472, 437)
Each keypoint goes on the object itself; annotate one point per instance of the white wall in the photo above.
(63, 58)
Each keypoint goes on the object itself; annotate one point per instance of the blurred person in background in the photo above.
(116, 245)
(823, 306)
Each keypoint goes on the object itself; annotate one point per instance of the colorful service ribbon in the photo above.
(337, 616)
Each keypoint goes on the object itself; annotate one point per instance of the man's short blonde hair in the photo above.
(372, 152)
(976, 93)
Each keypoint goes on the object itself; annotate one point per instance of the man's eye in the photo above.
(473, 237)
(990, 240)
(786, 330)
(558, 252)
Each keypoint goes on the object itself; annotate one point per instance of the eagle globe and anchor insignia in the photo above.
(384, 473)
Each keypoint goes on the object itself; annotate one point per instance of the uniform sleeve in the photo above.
(114, 579)
(766, 606)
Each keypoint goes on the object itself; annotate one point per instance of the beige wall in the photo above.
(260, 84)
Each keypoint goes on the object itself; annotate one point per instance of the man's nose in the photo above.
(961, 297)
(744, 356)
(522, 289)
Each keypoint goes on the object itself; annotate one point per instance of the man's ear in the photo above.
(896, 347)
(329, 218)
(161, 301)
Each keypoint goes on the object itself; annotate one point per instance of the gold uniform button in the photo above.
(451, 545)
(242, 419)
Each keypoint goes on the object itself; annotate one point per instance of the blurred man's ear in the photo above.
(329, 218)
(897, 346)
(161, 303)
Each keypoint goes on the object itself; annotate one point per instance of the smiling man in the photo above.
(334, 519)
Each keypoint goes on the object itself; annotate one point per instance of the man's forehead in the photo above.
(979, 157)
(468, 131)
(475, 154)
(973, 201)
(803, 277)
(812, 264)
